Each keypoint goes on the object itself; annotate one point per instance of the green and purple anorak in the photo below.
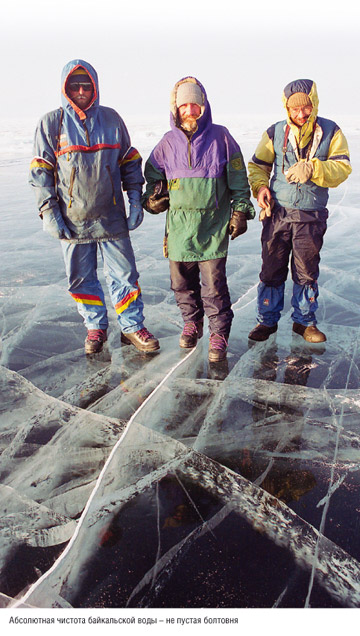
(206, 179)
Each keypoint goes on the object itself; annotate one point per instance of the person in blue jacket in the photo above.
(83, 161)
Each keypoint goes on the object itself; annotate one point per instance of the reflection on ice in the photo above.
(123, 475)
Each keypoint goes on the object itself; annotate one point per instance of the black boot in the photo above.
(262, 332)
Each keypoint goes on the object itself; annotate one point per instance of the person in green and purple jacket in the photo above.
(197, 173)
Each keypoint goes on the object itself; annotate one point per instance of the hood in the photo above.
(205, 118)
(69, 105)
(302, 86)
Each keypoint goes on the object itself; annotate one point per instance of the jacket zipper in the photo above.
(189, 152)
(72, 179)
(73, 171)
(112, 184)
(87, 134)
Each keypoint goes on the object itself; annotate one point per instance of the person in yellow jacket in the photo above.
(306, 155)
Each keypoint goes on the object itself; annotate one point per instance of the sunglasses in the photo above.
(86, 86)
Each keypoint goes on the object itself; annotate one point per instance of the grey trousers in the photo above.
(200, 288)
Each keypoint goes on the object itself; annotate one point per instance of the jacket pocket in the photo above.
(193, 193)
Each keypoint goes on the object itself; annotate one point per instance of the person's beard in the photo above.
(189, 124)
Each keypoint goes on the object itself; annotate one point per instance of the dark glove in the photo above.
(54, 224)
(136, 216)
(238, 224)
(159, 200)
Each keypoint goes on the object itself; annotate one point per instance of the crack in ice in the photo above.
(99, 480)
(326, 499)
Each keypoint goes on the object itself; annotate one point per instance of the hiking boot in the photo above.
(143, 340)
(95, 340)
(217, 347)
(310, 334)
(262, 332)
(191, 333)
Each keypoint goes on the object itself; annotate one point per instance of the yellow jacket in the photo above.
(327, 173)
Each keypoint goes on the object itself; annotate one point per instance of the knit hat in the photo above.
(189, 93)
(297, 100)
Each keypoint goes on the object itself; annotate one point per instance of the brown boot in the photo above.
(262, 332)
(95, 340)
(310, 334)
(191, 333)
(217, 347)
(143, 340)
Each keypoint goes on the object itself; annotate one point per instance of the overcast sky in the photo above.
(244, 55)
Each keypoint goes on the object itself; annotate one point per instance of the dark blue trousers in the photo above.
(299, 234)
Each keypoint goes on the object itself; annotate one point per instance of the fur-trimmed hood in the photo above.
(205, 118)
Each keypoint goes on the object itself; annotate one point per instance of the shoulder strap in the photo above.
(311, 141)
(286, 137)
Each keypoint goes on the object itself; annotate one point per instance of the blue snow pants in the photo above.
(281, 236)
(210, 296)
(121, 277)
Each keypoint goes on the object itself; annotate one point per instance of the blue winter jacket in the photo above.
(82, 162)
(309, 196)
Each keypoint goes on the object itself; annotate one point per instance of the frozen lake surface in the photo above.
(164, 481)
